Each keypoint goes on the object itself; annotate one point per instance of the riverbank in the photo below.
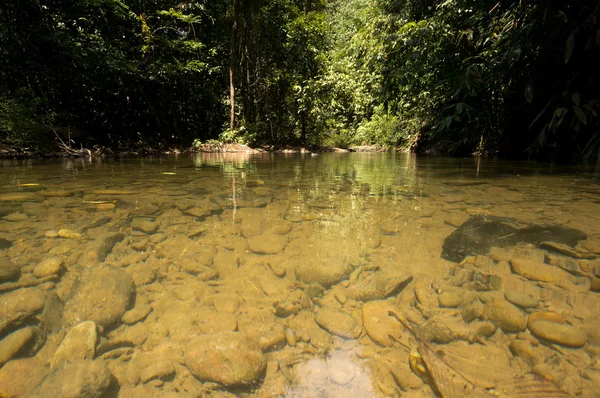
(7, 152)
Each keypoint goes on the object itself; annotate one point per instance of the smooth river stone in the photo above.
(145, 225)
(14, 342)
(50, 266)
(267, 244)
(377, 285)
(593, 246)
(563, 334)
(78, 344)
(81, 379)
(96, 251)
(19, 305)
(8, 270)
(379, 325)
(338, 322)
(540, 272)
(521, 299)
(19, 376)
(326, 273)
(102, 295)
(229, 358)
(451, 298)
(505, 316)
(158, 370)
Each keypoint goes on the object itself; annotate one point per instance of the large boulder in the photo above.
(102, 295)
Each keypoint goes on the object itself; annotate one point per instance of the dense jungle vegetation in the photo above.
(517, 78)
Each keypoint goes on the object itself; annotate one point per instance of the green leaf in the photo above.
(529, 93)
(580, 115)
(448, 121)
(569, 46)
(459, 108)
(575, 98)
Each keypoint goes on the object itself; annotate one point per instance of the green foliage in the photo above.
(461, 76)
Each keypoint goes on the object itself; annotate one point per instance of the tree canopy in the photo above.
(516, 78)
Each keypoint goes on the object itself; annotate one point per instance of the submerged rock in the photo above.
(326, 273)
(18, 306)
(480, 233)
(540, 272)
(338, 322)
(563, 334)
(48, 267)
(8, 270)
(379, 325)
(505, 316)
(377, 285)
(229, 358)
(267, 243)
(78, 344)
(23, 342)
(102, 295)
(19, 376)
(89, 379)
(97, 250)
(5, 243)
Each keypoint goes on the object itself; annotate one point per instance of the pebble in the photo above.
(79, 343)
(69, 234)
(51, 234)
(290, 337)
(50, 266)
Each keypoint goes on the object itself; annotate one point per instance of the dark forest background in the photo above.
(515, 78)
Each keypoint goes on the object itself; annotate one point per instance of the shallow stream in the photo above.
(298, 275)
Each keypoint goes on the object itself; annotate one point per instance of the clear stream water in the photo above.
(297, 275)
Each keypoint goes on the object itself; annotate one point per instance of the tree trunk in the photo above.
(232, 64)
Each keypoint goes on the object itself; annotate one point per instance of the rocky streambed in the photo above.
(182, 291)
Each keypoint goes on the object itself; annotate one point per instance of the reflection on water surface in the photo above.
(265, 275)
